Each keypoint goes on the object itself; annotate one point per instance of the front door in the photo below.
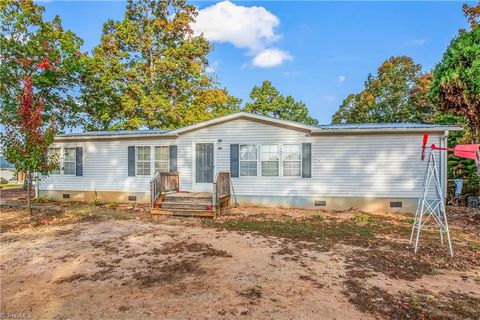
(204, 167)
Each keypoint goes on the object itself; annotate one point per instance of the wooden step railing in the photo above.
(221, 190)
(161, 183)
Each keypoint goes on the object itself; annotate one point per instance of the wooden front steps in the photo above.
(186, 204)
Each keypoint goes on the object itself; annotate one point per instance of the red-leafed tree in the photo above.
(26, 138)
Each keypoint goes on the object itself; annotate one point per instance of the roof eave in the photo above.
(384, 130)
(114, 137)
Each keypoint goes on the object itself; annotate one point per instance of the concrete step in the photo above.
(185, 213)
(183, 206)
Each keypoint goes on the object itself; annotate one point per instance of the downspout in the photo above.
(444, 164)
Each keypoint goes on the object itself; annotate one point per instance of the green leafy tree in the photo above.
(25, 40)
(456, 80)
(397, 93)
(149, 70)
(267, 100)
(456, 88)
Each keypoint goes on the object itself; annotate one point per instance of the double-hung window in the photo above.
(143, 160)
(270, 159)
(53, 157)
(161, 159)
(69, 161)
(292, 160)
(248, 160)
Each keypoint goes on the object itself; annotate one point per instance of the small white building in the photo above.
(272, 162)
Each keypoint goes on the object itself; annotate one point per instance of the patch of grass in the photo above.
(10, 185)
(96, 203)
(361, 218)
(306, 229)
(43, 199)
(112, 205)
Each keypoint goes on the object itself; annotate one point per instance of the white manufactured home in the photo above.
(271, 162)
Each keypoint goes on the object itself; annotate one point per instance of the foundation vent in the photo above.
(396, 204)
(320, 203)
(66, 196)
(132, 198)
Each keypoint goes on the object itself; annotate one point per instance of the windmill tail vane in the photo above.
(431, 203)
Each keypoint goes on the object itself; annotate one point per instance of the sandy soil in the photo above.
(183, 269)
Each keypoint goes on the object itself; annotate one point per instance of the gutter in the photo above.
(114, 137)
(384, 130)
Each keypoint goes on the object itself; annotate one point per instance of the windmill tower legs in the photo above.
(431, 206)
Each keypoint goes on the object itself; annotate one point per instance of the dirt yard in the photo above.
(104, 261)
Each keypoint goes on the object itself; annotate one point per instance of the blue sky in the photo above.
(316, 51)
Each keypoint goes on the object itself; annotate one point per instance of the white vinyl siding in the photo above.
(348, 165)
(161, 159)
(270, 159)
(292, 160)
(69, 161)
(142, 161)
(248, 160)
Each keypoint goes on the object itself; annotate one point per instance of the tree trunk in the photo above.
(29, 187)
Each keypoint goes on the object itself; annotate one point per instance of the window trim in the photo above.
(240, 159)
(300, 160)
(149, 161)
(155, 159)
(74, 162)
(278, 161)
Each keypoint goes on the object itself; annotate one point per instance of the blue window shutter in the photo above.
(234, 160)
(306, 160)
(173, 158)
(79, 161)
(131, 161)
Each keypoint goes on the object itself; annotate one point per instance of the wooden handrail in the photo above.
(221, 188)
(163, 182)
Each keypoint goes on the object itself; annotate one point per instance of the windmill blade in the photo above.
(424, 145)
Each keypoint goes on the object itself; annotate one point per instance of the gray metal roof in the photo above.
(360, 126)
(113, 133)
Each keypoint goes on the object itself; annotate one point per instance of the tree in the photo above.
(456, 81)
(456, 85)
(26, 38)
(149, 70)
(472, 14)
(398, 93)
(267, 100)
(26, 138)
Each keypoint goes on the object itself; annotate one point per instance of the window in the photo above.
(269, 155)
(53, 157)
(69, 161)
(248, 160)
(143, 161)
(161, 159)
(292, 160)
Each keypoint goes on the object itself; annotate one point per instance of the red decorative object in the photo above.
(210, 206)
(468, 151)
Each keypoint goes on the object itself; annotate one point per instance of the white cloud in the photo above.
(271, 58)
(250, 28)
(341, 79)
(212, 67)
(415, 42)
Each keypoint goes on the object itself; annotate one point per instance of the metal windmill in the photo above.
(431, 207)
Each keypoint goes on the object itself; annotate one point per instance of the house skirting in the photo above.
(102, 196)
(366, 204)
